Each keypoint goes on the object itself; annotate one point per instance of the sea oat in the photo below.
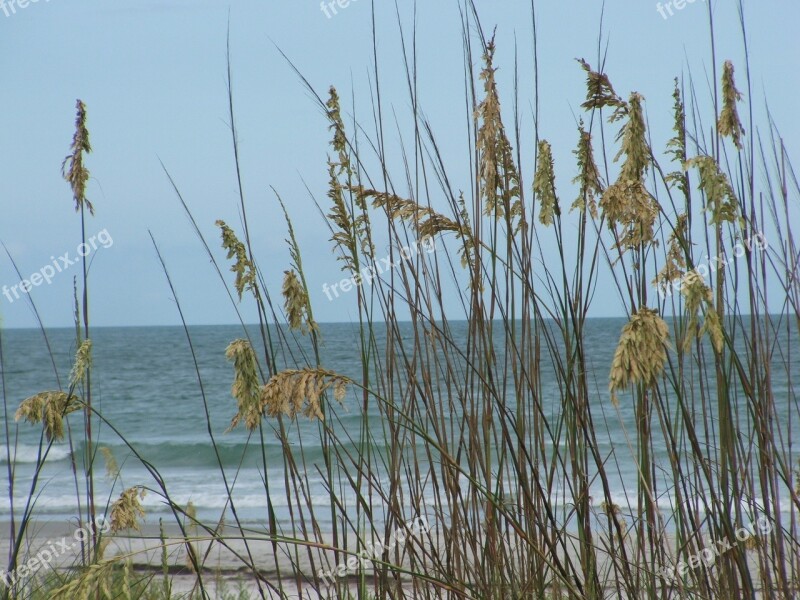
(697, 295)
(427, 221)
(498, 172)
(675, 265)
(729, 123)
(73, 168)
(720, 197)
(351, 224)
(83, 362)
(296, 302)
(293, 391)
(589, 177)
(626, 202)
(49, 408)
(243, 267)
(94, 582)
(641, 352)
(112, 468)
(246, 386)
(127, 509)
(339, 141)
(599, 91)
(677, 145)
(544, 185)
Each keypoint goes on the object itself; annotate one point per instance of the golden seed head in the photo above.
(641, 353)
(599, 91)
(720, 198)
(589, 177)
(499, 175)
(544, 185)
(112, 468)
(83, 362)
(297, 305)
(73, 169)
(729, 124)
(294, 391)
(246, 386)
(243, 267)
(48, 408)
(127, 509)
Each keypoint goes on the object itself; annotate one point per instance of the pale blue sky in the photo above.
(153, 75)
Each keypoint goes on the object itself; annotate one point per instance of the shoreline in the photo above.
(223, 562)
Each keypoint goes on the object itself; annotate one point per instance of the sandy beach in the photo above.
(56, 545)
(223, 562)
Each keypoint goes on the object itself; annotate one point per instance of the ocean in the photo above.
(144, 382)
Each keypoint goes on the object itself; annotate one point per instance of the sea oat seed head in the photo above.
(127, 509)
(246, 387)
(641, 353)
(48, 408)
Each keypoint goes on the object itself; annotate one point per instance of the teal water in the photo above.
(145, 383)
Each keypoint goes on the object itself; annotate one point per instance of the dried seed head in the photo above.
(243, 267)
(697, 295)
(641, 353)
(127, 509)
(48, 408)
(677, 145)
(350, 219)
(112, 468)
(675, 264)
(599, 91)
(713, 327)
(629, 205)
(83, 362)
(72, 168)
(544, 185)
(626, 202)
(589, 177)
(729, 124)
(720, 197)
(498, 172)
(427, 221)
(339, 141)
(246, 387)
(296, 302)
(294, 391)
(93, 582)
(634, 142)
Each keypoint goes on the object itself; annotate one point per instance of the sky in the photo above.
(153, 75)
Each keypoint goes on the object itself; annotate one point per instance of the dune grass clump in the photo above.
(482, 400)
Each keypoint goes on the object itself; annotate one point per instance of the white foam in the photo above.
(28, 454)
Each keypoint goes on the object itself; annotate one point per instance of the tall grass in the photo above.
(492, 421)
